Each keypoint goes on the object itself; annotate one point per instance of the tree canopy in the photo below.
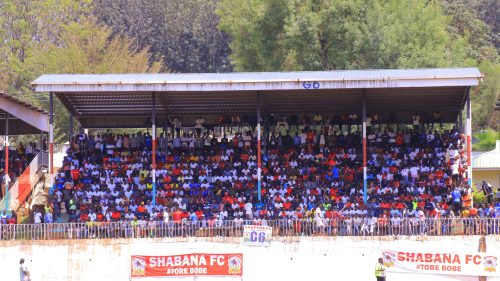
(341, 34)
(182, 33)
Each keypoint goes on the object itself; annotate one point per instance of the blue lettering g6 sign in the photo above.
(314, 85)
(257, 235)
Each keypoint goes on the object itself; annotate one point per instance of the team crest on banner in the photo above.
(234, 264)
(389, 258)
(138, 266)
(490, 264)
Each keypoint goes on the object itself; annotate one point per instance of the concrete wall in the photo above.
(300, 258)
(491, 176)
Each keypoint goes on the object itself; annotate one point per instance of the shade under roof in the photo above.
(126, 100)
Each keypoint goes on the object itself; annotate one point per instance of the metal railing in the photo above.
(43, 159)
(281, 228)
(20, 190)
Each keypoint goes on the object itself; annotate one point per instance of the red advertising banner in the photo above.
(187, 265)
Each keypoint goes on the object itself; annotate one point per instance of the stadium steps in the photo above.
(63, 218)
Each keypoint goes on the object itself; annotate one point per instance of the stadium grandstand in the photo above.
(20, 166)
(353, 152)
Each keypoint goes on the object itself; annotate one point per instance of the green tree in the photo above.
(411, 34)
(486, 10)
(324, 35)
(257, 31)
(86, 47)
(486, 140)
(24, 25)
(183, 33)
(340, 34)
(483, 102)
(466, 22)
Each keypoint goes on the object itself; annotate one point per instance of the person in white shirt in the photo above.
(23, 271)
(248, 210)
(199, 125)
(238, 221)
(92, 216)
(318, 217)
(38, 217)
(364, 225)
(372, 224)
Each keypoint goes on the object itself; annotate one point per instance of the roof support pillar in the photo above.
(468, 132)
(365, 184)
(71, 134)
(6, 191)
(153, 144)
(51, 140)
(460, 122)
(259, 161)
(41, 141)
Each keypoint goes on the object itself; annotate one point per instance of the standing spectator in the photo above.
(23, 271)
(199, 126)
(318, 217)
(380, 270)
(177, 126)
(48, 217)
(488, 191)
(37, 217)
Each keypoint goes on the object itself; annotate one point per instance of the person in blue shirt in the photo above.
(335, 172)
(194, 192)
(296, 140)
(456, 197)
(193, 218)
(148, 140)
(48, 218)
(310, 206)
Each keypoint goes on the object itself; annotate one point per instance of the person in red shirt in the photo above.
(199, 214)
(84, 217)
(287, 205)
(177, 215)
(141, 209)
(75, 174)
(116, 216)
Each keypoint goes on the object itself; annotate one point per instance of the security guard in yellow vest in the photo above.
(380, 270)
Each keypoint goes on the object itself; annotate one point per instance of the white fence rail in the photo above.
(221, 229)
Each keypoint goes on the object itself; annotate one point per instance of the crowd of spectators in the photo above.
(312, 170)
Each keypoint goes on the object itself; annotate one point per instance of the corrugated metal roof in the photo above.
(393, 94)
(488, 160)
(22, 103)
(254, 81)
(24, 118)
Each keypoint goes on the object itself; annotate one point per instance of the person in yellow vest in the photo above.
(380, 270)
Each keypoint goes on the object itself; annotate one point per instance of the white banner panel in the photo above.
(471, 264)
(257, 235)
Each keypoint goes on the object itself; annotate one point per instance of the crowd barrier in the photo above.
(281, 228)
